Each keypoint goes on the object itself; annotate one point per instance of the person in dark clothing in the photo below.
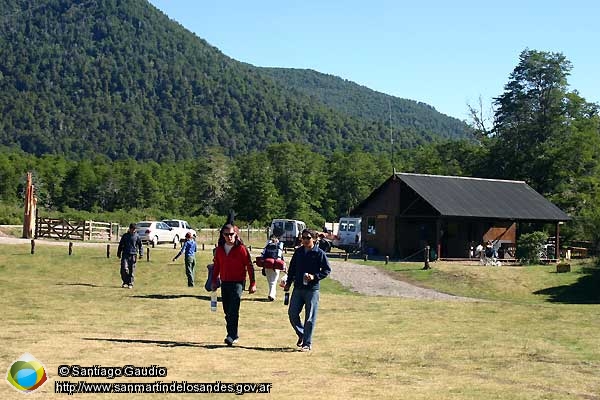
(129, 248)
(308, 266)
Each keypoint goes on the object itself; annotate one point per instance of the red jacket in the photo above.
(232, 267)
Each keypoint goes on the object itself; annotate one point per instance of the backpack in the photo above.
(271, 251)
(271, 257)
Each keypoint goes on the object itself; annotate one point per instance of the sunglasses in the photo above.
(228, 233)
(306, 237)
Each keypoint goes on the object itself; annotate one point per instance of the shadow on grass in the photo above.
(584, 291)
(207, 298)
(171, 296)
(79, 284)
(208, 346)
(259, 299)
(413, 269)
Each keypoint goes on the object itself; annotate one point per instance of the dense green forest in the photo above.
(364, 103)
(119, 78)
(286, 179)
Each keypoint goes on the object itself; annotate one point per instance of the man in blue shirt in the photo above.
(309, 265)
(189, 249)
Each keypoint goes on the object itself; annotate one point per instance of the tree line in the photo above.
(284, 180)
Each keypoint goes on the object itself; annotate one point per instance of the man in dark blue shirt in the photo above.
(129, 247)
(309, 265)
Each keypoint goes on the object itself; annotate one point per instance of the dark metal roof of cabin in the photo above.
(486, 198)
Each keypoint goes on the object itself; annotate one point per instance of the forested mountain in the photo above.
(119, 78)
(364, 103)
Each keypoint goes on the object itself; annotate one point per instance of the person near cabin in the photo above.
(491, 253)
(271, 261)
(231, 263)
(308, 267)
(480, 253)
(189, 249)
(130, 246)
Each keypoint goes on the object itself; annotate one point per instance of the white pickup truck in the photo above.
(180, 228)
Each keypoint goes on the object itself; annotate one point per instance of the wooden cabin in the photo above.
(451, 214)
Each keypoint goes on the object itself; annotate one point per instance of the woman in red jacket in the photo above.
(232, 262)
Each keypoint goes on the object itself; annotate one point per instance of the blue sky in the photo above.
(443, 53)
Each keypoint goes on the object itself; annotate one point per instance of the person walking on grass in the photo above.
(231, 263)
(130, 246)
(189, 249)
(271, 261)
(308, 267)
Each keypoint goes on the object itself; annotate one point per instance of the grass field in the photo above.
(536, 335)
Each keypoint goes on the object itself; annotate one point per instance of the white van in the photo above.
(288, 230)
(349, 235)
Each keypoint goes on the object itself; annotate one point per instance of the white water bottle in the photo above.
(213, 301)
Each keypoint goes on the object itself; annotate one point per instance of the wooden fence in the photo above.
(209, 235)
(104, 231)
(59, 228)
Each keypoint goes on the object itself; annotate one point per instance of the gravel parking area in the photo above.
(374, 282)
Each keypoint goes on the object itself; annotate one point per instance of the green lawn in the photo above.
(535, 336)
(529, 284)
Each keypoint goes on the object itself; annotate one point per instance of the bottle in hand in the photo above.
(213, 301)
(305, 280)
(286, 298)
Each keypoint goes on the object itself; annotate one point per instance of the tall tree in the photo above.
(550, 137)
(530, 115)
